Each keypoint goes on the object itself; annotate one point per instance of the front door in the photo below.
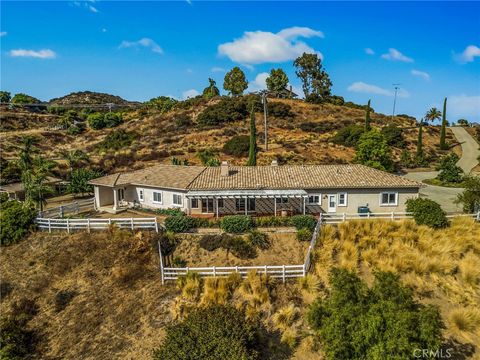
(121, 195)
(332, 203)
(207, 206)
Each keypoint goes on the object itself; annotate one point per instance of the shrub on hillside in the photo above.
(178, 224)
(259, 239)
(226, 110)
(16, 221)
(279, 109)
(236, 224)
(304, 234)
(394, 136)
(215, 332)
(211, 242)
(381, 322)
(427, 212)
(99, 120)
(239, 247)
(237, 146)
(449, 171)
(117, 140)
(470, 197)
(318, 127)
(349, 135)
(163, 104)
(372, 150)
(304, 222)
(182, 120)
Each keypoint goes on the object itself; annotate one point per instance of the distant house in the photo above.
(16, 191)
(257, 190)
(286, 93)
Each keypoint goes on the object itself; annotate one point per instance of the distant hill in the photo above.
(88, 98)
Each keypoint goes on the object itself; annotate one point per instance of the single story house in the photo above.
(256, 190)
(16, 191)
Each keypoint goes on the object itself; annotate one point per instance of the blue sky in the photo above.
(139, 50)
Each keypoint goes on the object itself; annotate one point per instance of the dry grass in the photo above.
(442, 266)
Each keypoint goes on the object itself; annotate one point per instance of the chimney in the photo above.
(224, 169)
(274, 163)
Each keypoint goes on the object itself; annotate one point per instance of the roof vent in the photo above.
(274, 163)
(224, 170)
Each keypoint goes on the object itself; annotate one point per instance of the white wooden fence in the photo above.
(69, 225)
(73, 208)
(342, 217)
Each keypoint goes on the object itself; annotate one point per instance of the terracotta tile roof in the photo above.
(259, 177)
(165, 176)
(299, 177)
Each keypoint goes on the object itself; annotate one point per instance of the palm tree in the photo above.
(36, 188)
(73, 158)
(433, 114)
(27, 149)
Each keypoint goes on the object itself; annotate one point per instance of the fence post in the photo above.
(283, 274)
(131, 223)
(304, 269)
(368, 215)
(236, 269)
(266, 270)
(156, 225)
(88, 224)
(49, 225)
(214, 272)
(68, 226)
(61, 211)
(161, 262)
(478, 215)
(320, 218)
(393, 215)
(344, 217)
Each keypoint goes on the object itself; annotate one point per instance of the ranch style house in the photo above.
(255, 190)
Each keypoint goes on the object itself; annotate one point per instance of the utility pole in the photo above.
(264, 101)
(396, 87)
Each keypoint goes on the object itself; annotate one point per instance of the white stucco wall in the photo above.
(133, 194)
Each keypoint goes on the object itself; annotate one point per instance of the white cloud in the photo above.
(218, 69)
(256, 47)
(86, 5)
(3, 33)
(424, 75)
(144, 42)
(469, 54)
(395, 55)
(361, 87)
(259, 83)
(369, 51)
(464, 106)
(40, 54)
(190, 94)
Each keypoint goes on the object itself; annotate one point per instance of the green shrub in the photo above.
(381, 322)
(349, 135)
(170, 212)
(16, 221)
(206, 223)
(304, 222)
(427, 212)
(449, 171)
(178, 224)
(259, 239)
(163, 104)
(237, 146)
(210, 333)
(182, 120)
(372, 150)
(63, 298)
(470, 197)
(279, 109)
(239, 247)
(212, 242)
(226, 110)
(304, 234)
(179, 262)
(113, 119)
(117, 140)
(394, 136)
(236, 224)
(168, 242)
(96, 121)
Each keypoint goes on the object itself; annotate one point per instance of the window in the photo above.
(240, 204)
(157, 197)
(220, 203)
(140, 195)
(195, 203)
(281, 200)
(177, 199)
(314, 199)
(388, 198)
(342, 199)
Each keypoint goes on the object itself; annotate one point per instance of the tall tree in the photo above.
(235, 81)
(443, 131)
(277, 81)
(27, 150)
(420, 142)
(433, 114)
(372, 150)
(252, 152)
(367, 117)
(316, 83)
(36, 188)
(211, 90)
(5, 97)
(74, 158)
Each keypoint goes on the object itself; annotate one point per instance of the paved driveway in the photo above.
(444, 195)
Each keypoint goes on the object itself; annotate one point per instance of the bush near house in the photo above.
(235, 244)
(178, 224)
(470, 196)
(427, 212)
(236, 224)
(259, 239)
(349, 135)
(304, 222)
(215, 332)
(304, 234)
(16, 221)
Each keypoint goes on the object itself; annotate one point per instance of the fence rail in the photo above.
(342, 217)
(51, 224)
(73, 208)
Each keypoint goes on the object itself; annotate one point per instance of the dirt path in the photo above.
(470, 149)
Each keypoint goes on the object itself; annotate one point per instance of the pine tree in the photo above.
(367, 117)
(420, 142)
(252, 152)
(443, 143)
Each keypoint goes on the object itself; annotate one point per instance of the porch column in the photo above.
(246, 205)
(115, 199)
(275, 205)
(303, 199)
(216, 206)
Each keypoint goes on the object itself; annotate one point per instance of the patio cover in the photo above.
(245, 193)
